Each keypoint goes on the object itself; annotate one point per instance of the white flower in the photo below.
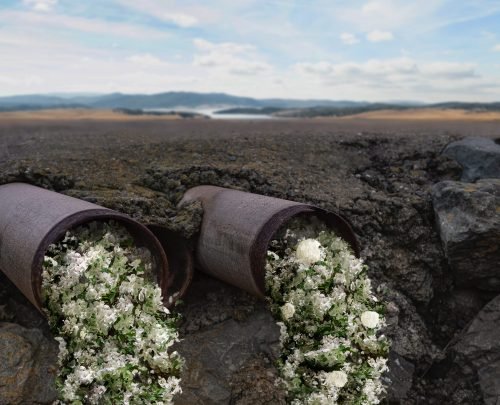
(83, 375)
(336, 379)
(370, 319)
(287, 311)
(319, 293)
(91, 294)
(308, 251)
(372, 390)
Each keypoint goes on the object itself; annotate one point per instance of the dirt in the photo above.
(76, 114)
(430, 114)
(377, 173)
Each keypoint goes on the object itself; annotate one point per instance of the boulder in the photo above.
(478, 350)
(214, 355)
(468, 219)
(479, 157)
(489, 380)
(27, 366)
(399, 378)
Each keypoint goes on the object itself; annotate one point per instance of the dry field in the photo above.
(77, 114)
(83, 114)
(428, 114)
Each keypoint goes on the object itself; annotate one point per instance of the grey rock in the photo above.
(478, 350)
(468, 218)
(479, 157)
(480, 345)
(399, 378)
(27, 366)
(461, 306)
(407, 331)
(489, 379)
(214, 355)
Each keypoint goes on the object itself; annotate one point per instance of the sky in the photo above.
(370, 50)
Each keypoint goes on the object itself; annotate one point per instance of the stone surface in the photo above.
(478, 350)
(27, 366)
(468, 218)
(489, 379)
(399, 378)
(225, 331)
(479, 157)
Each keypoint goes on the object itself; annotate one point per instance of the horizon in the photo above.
(70, 95)
(365, 51)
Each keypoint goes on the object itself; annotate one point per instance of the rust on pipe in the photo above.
(32, 218)
(237, 228)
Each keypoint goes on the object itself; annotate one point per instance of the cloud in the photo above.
(372, 68)
(89, 25)
(391, 14)
(396, 72)
(180, 19)
(496, 48)
(348, 39)
(8, 80)
(185, 15)
(450, 70)
(223, 47)
(239, 59)
(146, 60)
(379, 36)
(40, 5)
(396, 78)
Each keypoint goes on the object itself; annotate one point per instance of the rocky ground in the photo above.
(429, 234)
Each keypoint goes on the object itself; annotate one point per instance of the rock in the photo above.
(255, 383)
(478, 350)
(214, 355)
(27, 366)
(460, 306)
(489, 379)
(399, 378)
(479, 157)
(480, 345)
(468, 218)
(406, 330)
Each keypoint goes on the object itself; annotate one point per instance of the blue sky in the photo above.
(376, 50)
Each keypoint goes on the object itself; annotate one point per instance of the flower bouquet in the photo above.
(107, 313)
(332, 350)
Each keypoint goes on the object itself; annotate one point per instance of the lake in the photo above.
(210, 112)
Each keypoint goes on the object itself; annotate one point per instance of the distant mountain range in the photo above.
(191, 100)
(162, 100)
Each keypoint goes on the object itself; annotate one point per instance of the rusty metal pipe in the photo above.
(237, 228)
(32, 218)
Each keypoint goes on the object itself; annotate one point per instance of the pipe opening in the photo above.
(32, 218)
(279, 223)
(237, 228)
(141, 236)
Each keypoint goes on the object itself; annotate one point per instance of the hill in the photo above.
(230, 104)
(161, 100)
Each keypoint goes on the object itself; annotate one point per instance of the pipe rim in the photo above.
(141, 235)
(258, 250)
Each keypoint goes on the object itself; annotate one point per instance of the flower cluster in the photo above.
(107, 313)
(332, 350)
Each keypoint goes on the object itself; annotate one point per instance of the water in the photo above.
(210, 112)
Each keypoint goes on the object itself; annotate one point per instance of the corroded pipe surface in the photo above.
(237, 228)
(32, 218)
